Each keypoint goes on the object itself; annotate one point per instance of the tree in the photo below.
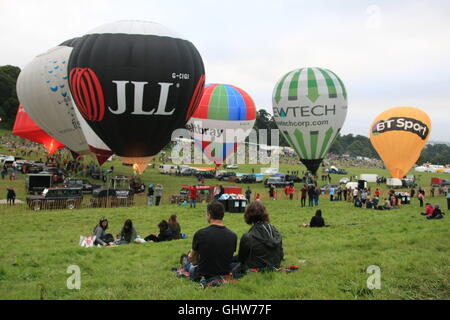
(8, 96)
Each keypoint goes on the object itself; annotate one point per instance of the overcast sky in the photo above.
(388, 53)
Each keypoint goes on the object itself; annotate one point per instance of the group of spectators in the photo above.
(168, 230)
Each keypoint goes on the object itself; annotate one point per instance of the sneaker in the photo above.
(184, 260)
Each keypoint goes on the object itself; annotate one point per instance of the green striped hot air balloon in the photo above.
(310, 106)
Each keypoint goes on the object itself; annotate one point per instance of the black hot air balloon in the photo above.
(135, 82)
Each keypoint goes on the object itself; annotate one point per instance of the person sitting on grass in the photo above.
(101, 237)
(174, 226)
(261, 246)
(165, 233)
(212, 247)
(428, 210)
(127, 234)
(317, 221)
(437, 213)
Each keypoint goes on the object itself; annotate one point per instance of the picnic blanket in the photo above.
(229, 278)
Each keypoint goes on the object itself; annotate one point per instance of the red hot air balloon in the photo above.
(26, 128)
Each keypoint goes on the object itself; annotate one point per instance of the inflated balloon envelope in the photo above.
(222, 121)
(43, 89)
(134, 83)
(399, 135)
(26, 128)
(310, 107)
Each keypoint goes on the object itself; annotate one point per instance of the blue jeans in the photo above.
(150, 200)
(193, 201)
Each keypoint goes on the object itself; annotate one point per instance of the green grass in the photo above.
(36, 248)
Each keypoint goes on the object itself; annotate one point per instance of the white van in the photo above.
(369, 177)
(394, 182)
(167, 168)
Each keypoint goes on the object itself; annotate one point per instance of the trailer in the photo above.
(35, 183)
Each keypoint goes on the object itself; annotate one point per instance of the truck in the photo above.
(438, 182)
(119, 194)
(56, 198)
(277, 182)
(35, 183)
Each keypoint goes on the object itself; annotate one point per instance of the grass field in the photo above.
(36, 248)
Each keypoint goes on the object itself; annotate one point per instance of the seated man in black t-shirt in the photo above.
(212, 247)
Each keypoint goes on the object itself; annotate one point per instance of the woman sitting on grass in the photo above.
(428, 210)
(165, 234)
(261, 246)
(127, 234)
(101, 237)
(317, 221)
(437, 213)
(175, 228)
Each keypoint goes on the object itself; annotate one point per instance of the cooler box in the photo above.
(234, 205)
(242, 205)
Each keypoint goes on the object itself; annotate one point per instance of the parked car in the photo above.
(337, 171)
(188, 172)
(293, 177)
(246, 178)
(85, 185)
(226, 176)
(205, 174)
(56, 198)
(231, 166)
(33, 167)
(277, 182)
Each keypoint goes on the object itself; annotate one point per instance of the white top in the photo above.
(136, 27)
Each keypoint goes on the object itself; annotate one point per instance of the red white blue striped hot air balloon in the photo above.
(223, 120)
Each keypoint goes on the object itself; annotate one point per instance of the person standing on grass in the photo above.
(212, 247)
(316, 196)
(193, 196)
(151, 194)
(421, 197)
(291, 191)
(10, 196)
(158, 193)
(311, 195)
(248, 194)
(262, 245)
(303, 191)
(271, 192)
